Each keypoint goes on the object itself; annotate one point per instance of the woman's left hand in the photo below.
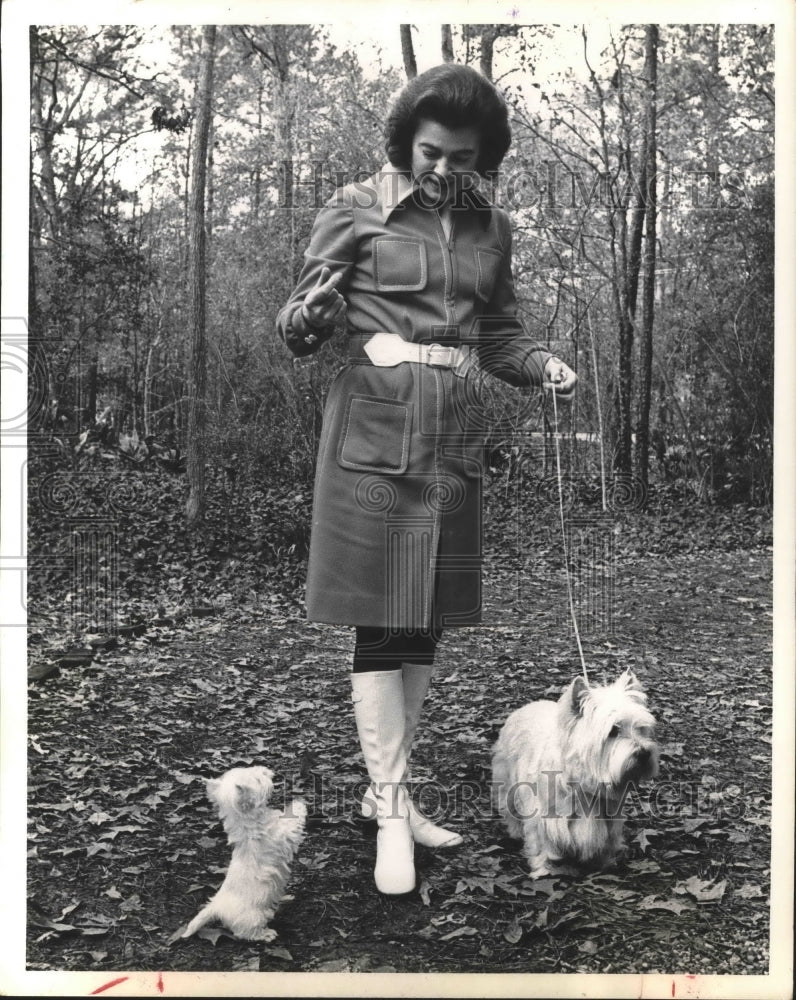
(560, 378)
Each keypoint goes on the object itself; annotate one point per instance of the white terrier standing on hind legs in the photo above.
(264, 843)
(561, 771)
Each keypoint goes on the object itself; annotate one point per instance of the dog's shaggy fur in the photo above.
(264, 843)
(561, 772)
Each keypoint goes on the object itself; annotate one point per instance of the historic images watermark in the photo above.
(548, 186)
(706, 798)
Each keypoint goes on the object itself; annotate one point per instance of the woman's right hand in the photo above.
(324, 305)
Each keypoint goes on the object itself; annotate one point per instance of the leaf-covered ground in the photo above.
(124, 846)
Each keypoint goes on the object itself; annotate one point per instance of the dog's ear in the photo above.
(244, 800)
(632, 686)
(578, 693)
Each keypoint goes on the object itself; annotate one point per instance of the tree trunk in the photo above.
(648, 292)
(598, 402)
(45, 125)
(447, 44)
(623, 268)
(636, 233)
(623, 462)
(210, 196)
(257, 170)
(90, 403)
(408, 52)
(487, 49)
(197, 375)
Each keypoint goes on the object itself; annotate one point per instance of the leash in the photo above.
(564, 539)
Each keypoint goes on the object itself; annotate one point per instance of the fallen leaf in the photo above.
(749, 891)
(513, 933)
(333, 965)
(644, 866)
(249, 963)
(541, 920)
(620, 895)
(673, 905)
(97, 848)
(459, 932)
(212, 934)
(98, 818)
(533, 887)
(564, 920)
(277, 951)
(702, 891)
(483, 884)
(114, 831)
(642, 838)
(131, 905)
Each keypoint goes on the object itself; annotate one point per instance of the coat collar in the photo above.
(394, 186)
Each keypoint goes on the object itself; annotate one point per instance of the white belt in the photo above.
(388, 349)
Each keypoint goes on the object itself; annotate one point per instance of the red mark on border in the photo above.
(110, 985)
(674, 988)
(160, 985)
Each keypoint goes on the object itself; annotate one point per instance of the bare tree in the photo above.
(489, 35)
(197, 375)
(650, 216)
(447, 44)
(408, 51)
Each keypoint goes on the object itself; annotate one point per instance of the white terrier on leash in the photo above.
(264, 843)
(561, 771)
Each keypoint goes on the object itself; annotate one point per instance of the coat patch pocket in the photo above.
(375, 435)
(399, 265)
(487, 266)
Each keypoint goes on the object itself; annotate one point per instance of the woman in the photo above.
(419, 264)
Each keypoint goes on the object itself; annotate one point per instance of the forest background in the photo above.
(640, 183)
(172, 194)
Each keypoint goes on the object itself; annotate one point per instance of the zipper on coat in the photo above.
(439, 388)
(447, 245)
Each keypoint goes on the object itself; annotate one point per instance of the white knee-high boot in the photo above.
(415, 679)
(378, 698)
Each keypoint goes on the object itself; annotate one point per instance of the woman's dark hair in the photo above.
(456, 97)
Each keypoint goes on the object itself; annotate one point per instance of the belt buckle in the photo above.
(448, 355)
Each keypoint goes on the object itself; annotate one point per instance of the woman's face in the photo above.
(442, 151)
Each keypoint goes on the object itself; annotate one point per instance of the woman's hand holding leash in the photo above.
(560, 378)
(324, 305)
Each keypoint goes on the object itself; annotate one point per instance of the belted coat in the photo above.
(396, 536)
